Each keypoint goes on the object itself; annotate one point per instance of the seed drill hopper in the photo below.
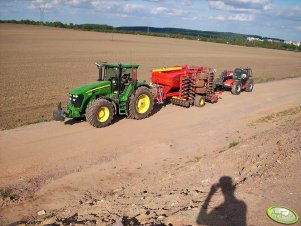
(184, 85)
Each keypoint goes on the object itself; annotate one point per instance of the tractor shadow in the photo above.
(117, 118)
(74, 121)
(158, 107)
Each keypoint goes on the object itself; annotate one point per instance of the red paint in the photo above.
(168, 83)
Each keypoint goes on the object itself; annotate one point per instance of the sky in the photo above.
(267, 18)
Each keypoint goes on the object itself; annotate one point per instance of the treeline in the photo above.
(84, 27)
(212, 36)
(184, 32)
(207, 36)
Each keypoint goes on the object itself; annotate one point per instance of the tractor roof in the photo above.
(121, 65)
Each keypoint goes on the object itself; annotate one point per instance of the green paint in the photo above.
(85, 88)
(109, 86)
(282, 215)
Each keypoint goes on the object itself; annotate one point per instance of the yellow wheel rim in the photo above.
(143, 103)
(103, 114)
(202, 101)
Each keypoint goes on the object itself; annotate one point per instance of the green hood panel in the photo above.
(90, 87)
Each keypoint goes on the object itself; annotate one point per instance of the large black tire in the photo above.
(99, 113)
(236, 88)
(141, 103)
(250, 85)
(199, 101)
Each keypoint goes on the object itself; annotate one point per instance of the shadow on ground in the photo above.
(74, 121)
(231, 212)
(158, 107)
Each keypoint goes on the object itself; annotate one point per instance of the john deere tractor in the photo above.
(117, 91)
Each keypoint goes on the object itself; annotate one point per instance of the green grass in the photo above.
(233, 144)
(230, 145)
(222, 150)
(195, 159)
(276, 116)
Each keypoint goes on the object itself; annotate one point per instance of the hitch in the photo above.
(59, 114)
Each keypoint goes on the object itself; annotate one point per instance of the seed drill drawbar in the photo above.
(118, 91)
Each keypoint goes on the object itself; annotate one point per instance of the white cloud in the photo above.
(132, 7)
(267, 7)
(240, 5)
(234, 17)
(43, 4)
(186, 2)
(241, 17)
(75, 2)
(220, 5)
(121, 15)
(158, 10)
(104, 5)
(262, 2)
(48, 4)
(220, 17)
(193, 18)
(118, 8)
(176, 12)
(169, 12)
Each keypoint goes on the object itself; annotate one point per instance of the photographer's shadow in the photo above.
(231, 212)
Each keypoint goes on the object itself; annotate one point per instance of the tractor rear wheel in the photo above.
(250, 85)
(141, 103)
(199, 101)
(236, 88)
(99, 113)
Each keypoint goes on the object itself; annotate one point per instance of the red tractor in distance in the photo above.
(238, 80)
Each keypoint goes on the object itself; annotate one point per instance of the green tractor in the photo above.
(117, 91)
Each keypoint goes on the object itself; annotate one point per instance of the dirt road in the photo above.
(52, 165)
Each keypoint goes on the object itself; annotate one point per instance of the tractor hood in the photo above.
(90, 87)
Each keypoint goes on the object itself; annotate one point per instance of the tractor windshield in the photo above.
(238, 72)
(111, 72)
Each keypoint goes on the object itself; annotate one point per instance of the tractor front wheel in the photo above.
(236, 88)
(141, 103)
(99, 113)
(250, 85)
(199, 101)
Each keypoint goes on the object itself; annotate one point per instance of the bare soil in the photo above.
(39, 65)
(160, 170)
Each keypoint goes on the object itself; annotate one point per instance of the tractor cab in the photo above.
(120, 75)
(242, 75)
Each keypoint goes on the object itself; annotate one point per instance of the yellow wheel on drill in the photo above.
(202, 102)
(199, 101)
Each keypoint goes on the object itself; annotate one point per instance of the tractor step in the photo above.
(122, 108)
